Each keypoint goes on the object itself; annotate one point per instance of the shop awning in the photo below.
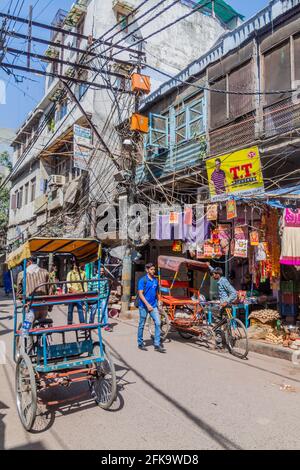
(173, 263)
(222, 10)
(85, 250)
(288, 192)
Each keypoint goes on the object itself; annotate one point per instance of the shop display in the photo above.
(231, 210)
(212, 212)
(241, 248)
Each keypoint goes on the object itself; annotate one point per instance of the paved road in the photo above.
(189, 398)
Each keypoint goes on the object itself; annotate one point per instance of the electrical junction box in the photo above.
(140, 83)
(139, 123)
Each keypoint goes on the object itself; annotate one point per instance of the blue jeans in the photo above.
(104, 311)
(71, 311)
(143, 317)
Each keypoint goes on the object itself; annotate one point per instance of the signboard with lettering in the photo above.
(82, 147)
(237, 173)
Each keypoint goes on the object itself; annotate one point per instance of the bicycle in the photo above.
(232, 332)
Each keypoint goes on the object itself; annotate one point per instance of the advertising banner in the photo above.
(237, 173)
(82, 147)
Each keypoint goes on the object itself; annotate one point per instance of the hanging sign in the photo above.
(188, 216)
(241, 248)
(174, 218)
(208, 250)
(240, 233)
(212, 212)
(235, 173)
(82, 147)
(231, 209)
(254, 238)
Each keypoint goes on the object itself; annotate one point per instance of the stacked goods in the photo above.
(258, 331)
(274, 337)
(114, 304)
(265, 316)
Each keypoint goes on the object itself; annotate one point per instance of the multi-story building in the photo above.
(242, 92)
(46, 183)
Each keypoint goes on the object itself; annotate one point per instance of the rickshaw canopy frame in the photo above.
(85, 250)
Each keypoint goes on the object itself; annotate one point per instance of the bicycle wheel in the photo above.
(103, 386)
(237, 338)
(164, 325)
(26, 393)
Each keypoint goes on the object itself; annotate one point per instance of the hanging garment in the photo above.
(290, 250)
(195, 233)
(260, 252)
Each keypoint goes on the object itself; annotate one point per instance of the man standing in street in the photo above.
(148, 304)
(75, 278)
(37, 282)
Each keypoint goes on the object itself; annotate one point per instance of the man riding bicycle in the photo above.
(227, 293)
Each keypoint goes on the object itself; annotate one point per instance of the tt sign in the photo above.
(237, 173)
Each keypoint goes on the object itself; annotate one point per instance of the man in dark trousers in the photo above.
(148, 304)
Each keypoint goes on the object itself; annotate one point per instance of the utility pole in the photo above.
(127, 270)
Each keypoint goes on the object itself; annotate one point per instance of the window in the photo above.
(33, 189)
(277, 72)
(189, 122)
(218, 104)
(26, 194)
(297, 57)
(13, 202)
(19, 198)
(159, 131)
(181, 127)
(195, 119)
(54, 70)
(121, 18)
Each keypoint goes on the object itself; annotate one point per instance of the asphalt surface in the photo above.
(188, 398)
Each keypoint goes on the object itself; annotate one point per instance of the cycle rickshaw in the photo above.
(45, 357)
(184, 310)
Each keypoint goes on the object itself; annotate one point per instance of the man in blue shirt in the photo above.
(227, 293)
(148, 304)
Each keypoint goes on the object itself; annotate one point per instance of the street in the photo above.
(189, 398)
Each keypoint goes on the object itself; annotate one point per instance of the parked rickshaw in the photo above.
(46, 357)
(183, 309)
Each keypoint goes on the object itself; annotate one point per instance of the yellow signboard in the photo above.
(235, 173)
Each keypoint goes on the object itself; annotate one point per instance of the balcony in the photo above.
(58, 22)
(74, 16)
(56, 200)
(40, 204)
(122, 7)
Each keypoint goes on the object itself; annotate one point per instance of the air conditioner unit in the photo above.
(57, 180)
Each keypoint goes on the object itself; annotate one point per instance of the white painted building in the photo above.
(44, 177)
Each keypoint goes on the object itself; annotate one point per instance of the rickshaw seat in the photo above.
(63, 328)
(64, 298)
(170, 300)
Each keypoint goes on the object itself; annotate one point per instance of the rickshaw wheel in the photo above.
(185, 335)
(164, 326)
(237, 338)
(104, 385)
(26, 393)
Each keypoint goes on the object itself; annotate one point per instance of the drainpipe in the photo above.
(213, 9)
